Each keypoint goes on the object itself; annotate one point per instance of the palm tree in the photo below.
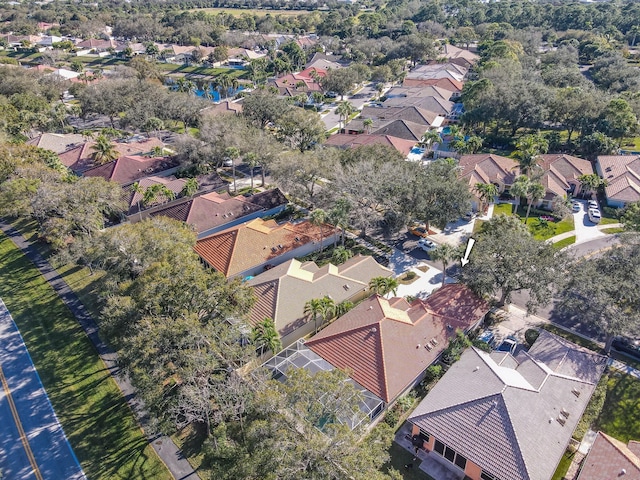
(104, 151)
(343, 307)
(520, 188)
(318, 218)
(591, 182)
(320, 307)
(535, 192)
(157, 151)
(232, 153)
(383, 285)
(429, 138)
(367, 123)
(341, 255)
(223, 84)
(444, 253)
(154, 192)
(339, 216)
(344, 110)
(528, 150)
(487, 192)
(139, 191)
(190, 188)
(265, 336)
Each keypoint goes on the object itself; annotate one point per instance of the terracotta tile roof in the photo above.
(353, 141)
(386, 344)
(609, 458)
(172, 183)
(622, 173)
(489, 168)
(444, 83)
(127, 169)
(568, 166)
(287, 288)
(80, 156)
(504, 416)
(211, 210)
(251, 244)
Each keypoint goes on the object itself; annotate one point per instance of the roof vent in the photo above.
(418, 346)
(274, 249)
(374, 330)
(561, 420)
(576, 392)
(428, 347)
(434, 342)
(477, 368)
(623, 471)
(564, 413)
(280, 247)
(608, 169)
(370, 307)
(449, 326)
(297, 239)
(346, 286)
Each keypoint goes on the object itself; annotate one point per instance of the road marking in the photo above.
(16, 419)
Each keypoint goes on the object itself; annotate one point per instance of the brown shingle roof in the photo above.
(444, 83)
(403, 129)
(386, 344)
(622, 173)
(353, 141)
(488, 167)
(248, 245)
(608, 458)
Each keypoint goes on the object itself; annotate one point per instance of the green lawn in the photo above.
(100, 426)
(563, 466)
(504, 208)
(539, 229)
(564, 243)
(401, 457)
(612, 230)
(608, 220)
(620, 415)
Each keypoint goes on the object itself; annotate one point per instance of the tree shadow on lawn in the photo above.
(620, 416)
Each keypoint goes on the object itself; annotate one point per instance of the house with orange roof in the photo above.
(283, 291)
(79, 156)
(129, 168)
(561, 176)
(609, 458)
(250, 248)
(211, 212)
(622, 174)
(385, 345)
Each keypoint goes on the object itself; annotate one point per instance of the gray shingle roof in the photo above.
(504, 417)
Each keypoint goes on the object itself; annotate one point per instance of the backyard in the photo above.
(99, 424)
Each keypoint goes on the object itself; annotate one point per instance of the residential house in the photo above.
(250, 248)
(57, 142)
(609, 458)
(499, 416)
(383, 116)
(326, 62)
(487, 168)
(213, 212)
(561, 176)
(403, 129)
(97, 45)
(434, 71)
(435, 104)
(622, 174)
(283, 291)
(458, 56)
(431, 91)
(127, 169)
(344, 140)
(135, 199)
(79, 157)
(223, 108)
(296, 83)
(454, 86)
(387, 344)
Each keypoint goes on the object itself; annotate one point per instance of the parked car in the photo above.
(487, 337)
(594, 215)
(627, 346)
(593, 204)
(509, 344)
(575, 206)
(331, 94)
(418, 231)
(426, 245)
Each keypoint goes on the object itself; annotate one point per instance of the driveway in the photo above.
(585, 230)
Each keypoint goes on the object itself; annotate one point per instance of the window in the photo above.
(424, 435)
(487, 476)
(460, 461)
(449, 454)
(439, 447)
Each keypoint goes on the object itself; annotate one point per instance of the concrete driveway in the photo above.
(585, 230)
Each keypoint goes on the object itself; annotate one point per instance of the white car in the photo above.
(592, 204)
(426, 244)
(575, 206)
(594, 215)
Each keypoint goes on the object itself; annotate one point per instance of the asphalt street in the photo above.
(32, 444)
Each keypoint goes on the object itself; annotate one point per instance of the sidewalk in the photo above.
(572, 233)
(179, 467)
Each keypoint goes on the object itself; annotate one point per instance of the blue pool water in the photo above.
(417, 150)
(216, 95)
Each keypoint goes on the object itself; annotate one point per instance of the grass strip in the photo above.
(99, 424)
(559, 245)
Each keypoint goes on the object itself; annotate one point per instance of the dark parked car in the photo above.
(627, 346)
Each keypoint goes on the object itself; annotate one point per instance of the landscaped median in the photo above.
(100, 426)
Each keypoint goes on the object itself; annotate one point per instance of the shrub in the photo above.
(434, 372)
(531, 335)
(392, 417)
(410, 276)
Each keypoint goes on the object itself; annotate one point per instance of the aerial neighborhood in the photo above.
(302, 240)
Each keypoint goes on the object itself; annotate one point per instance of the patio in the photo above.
(431, 463)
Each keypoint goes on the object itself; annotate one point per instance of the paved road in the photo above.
(164, 446)
(32, 444)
